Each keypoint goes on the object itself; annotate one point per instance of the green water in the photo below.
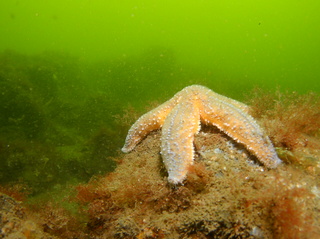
(69, 68)
(266, 43)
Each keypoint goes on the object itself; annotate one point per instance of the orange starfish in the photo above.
(180, 119)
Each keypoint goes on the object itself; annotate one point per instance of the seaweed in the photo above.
(51, 127)
(290, 119)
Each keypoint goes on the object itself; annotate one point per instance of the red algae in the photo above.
(291, 217)
(17, 191)
(290, 119)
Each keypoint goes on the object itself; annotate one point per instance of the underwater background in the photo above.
(76, 74)
(73, 72)
(229, 43)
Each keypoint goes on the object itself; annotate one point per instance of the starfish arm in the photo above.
(230, 101)
(240, 126)
(178, 132)
(148, 122)
(202, 90)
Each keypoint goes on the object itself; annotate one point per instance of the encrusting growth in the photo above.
(180, 119)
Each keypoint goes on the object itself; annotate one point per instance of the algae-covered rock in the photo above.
(16, 223)
(226, 195)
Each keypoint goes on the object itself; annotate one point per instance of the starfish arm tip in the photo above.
(175, 180)
(125, 149)
(276, 162)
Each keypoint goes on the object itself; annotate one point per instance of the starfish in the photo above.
(180, 119)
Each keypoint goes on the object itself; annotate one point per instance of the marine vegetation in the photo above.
(50, 125)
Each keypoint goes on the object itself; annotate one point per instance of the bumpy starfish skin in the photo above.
(180, 119)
